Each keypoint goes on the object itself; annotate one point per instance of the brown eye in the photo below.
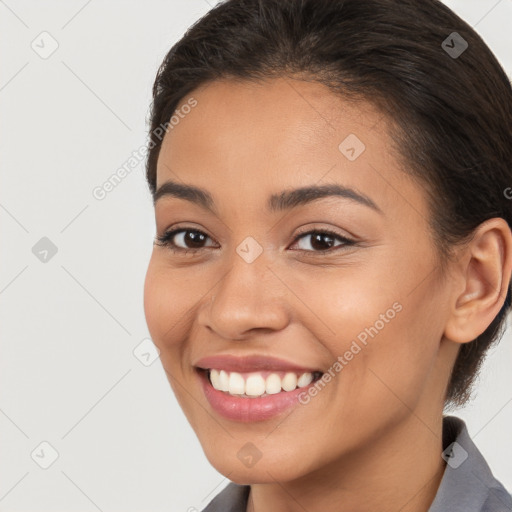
(323, 241)
(183, 239)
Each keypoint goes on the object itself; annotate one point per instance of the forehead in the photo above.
(282, 133)
(275, 117)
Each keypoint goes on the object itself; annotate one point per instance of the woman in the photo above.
(333, 252)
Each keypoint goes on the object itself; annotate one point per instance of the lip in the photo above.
(250, 363)
(247, 410)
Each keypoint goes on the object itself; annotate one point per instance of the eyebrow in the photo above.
(285, 200)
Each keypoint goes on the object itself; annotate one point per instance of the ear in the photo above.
(483, 275)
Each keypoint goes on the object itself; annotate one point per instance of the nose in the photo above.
(248, 297)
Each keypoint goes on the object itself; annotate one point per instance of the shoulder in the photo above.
(233, 498)
(498, 500)
(468, 484)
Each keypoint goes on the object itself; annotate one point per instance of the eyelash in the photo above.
(165, 240)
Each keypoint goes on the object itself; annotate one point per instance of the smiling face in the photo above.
(256, 283)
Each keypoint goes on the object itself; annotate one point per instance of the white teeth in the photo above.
(223, 381)
(289, 383)
(305, 379)
(273, 384)
(236, 384)
(255, 385)
(214, 378)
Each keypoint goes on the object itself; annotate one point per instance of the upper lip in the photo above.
(250, 363)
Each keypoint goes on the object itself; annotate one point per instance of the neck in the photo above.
(400, 470)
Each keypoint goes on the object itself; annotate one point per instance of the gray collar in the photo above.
(468, 484)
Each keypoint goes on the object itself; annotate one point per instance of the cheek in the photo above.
(166, 302)
(391, 373)
(153, 301)
(386, 336)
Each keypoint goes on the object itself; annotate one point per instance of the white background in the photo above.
(68, 374)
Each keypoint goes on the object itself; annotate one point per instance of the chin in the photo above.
(265, 470)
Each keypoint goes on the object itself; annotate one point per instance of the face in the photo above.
(343, 284)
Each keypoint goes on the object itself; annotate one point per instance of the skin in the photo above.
(371, 439)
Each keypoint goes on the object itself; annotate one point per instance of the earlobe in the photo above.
(485, 272)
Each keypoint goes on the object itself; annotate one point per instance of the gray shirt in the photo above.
(468, 484)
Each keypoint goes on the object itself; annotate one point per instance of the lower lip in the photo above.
(249, 409)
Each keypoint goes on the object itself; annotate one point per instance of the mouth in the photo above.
(258, 384)
(254, 396)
